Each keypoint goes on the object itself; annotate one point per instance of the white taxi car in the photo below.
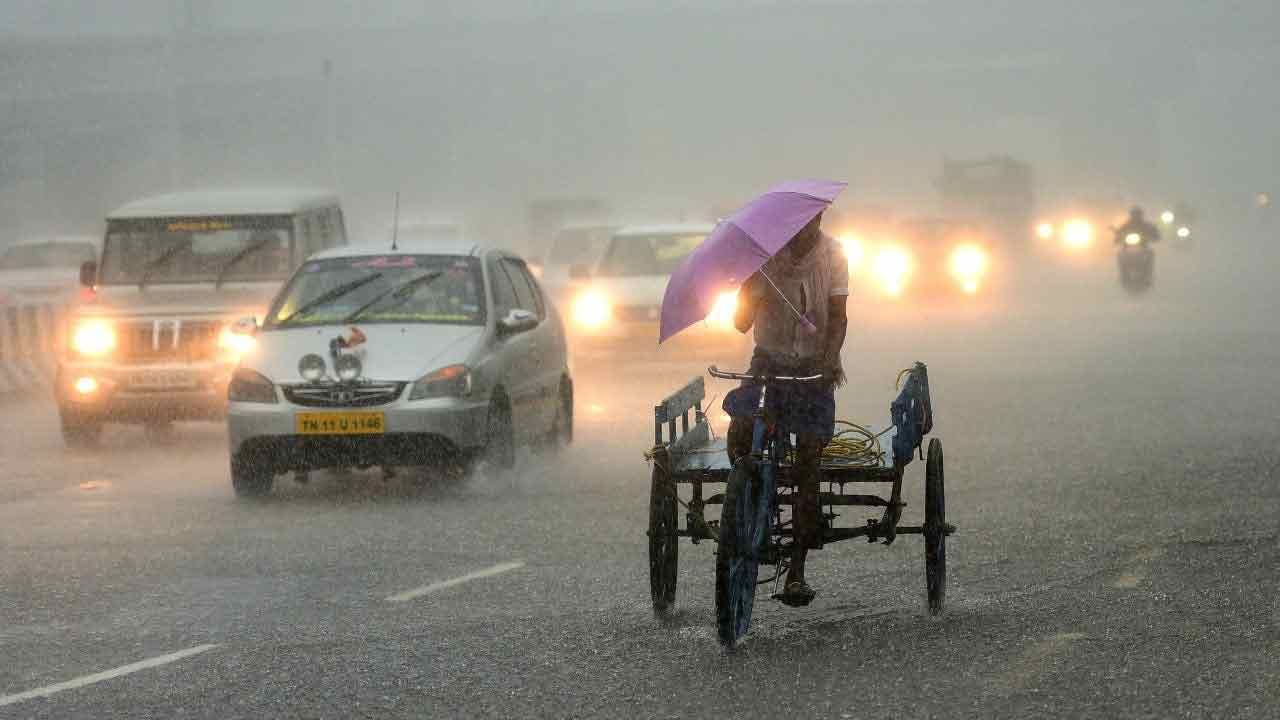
(424, 355)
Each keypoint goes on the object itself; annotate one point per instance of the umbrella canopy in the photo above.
(738, 247)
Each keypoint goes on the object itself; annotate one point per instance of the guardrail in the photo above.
(30, 337)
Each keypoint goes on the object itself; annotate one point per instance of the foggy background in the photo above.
(473, 112)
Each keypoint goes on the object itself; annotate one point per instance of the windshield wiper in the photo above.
(329, 297)
(164, 258)
(226, 267)
(400, 294)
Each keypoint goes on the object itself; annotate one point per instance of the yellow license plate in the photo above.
(348, 423)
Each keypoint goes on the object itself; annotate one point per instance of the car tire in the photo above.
(500, 445)
(79, 431)
(250, 481)
(561, 433)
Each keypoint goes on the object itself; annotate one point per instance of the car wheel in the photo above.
(248, 480)
(500, 448)
(78, 430)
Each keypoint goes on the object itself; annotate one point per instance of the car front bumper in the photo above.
(118, 396)
(414, 433)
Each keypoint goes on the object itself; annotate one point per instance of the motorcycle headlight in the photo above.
(451, 381)
(250, 387)
(93, 338)
(592, 309)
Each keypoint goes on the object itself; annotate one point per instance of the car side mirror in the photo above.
(517, 321)
(88, 273)
(247, 325)
(579, 271)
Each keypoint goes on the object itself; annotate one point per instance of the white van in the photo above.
(156, 342)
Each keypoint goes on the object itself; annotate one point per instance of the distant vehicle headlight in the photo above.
(853, 250)
(1133, 239)
(93, 338)
(721, 316)
(237, 344)
(592, 309)
(891, 266)
(1166, 217)
(968, 265)
(1044, 230)
(1184, 232)
(451, 381)
(250, 387)
(1078, 234)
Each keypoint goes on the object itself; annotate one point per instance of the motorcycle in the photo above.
(1137, 263)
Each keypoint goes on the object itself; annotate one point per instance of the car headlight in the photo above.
(250, 387)
(853, 250)
(592, 309)
(721, 315)
(891, 267)
(1166, 217)
(1044, 230)
(968, 264)
(1184, 232)
(237, 344)
(1133, 239)
(93, 338)
(1078, 234)
(451, 381)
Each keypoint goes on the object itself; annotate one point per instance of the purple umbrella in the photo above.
(738, 247)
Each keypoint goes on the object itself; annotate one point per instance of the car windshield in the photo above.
(46, 255)
(436, 289)
(576, 245)
(196, 250)
(656, 254)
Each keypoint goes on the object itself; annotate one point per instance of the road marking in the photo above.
(434, 587)
(79, 682)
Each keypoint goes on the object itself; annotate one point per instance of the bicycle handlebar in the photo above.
(727, 375)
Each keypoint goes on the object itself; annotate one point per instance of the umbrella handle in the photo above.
(804, 320)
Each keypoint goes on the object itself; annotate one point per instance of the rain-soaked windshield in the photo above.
(656, 254)
(430, 289)
(196, 250)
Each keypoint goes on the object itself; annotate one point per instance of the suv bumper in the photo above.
(114, 395)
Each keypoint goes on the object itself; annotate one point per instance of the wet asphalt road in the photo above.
(1112, 467)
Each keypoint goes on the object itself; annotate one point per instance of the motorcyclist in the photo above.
(813, 273)
(1137, 224)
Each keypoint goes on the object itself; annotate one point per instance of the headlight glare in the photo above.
(250, 387)
(721, 315)
(93, 338)
(1133, 239)
(235, 343)
(891, 266)
(592, 309)
(451, 381)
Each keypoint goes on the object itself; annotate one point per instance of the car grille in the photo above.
(158, 341)
(368, 394)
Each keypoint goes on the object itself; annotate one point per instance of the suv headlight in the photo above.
(250, 387)
(451, 381)
(93, 338)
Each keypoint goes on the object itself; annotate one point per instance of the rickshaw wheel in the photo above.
(664, 544)
(935, 537)
(738, 555)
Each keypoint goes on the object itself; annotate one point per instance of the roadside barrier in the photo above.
(30, 337)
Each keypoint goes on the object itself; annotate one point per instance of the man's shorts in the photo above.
(808, 408)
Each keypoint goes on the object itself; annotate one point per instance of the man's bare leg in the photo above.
(805, 513)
